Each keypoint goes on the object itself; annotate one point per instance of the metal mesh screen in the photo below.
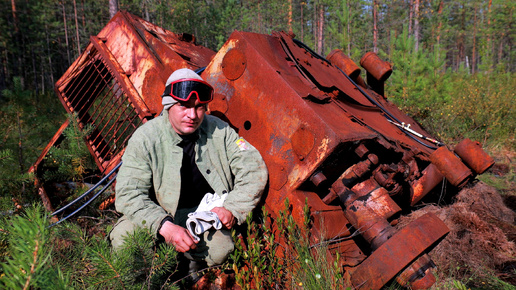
(102, 106)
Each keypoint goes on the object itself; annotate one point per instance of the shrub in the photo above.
(278, 254)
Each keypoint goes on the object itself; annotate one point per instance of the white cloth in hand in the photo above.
(210, 201)
(199, 222)
(203, 219)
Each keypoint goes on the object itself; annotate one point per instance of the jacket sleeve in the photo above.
(250, 176)
(134, 181)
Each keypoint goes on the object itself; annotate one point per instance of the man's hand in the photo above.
(178, 236)
(225, 216)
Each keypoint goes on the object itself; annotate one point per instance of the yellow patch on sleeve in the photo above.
(241, 144)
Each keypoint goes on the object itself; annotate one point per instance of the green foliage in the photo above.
(464, 278)
(11, 180)
(256, 262)
(65, 256)
(434, 85)
(27, 260)
(452, 105)
(71, 159)
(307, 265)
(278, 254)
(139, 264)
(418, 80)
(27, 125)
(343, 28)
(505, 183)
(482, 108)
(18, 108)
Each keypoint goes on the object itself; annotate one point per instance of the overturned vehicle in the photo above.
(329, 138)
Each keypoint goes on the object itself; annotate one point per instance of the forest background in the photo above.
(453, 61)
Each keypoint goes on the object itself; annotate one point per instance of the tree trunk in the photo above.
(5, 69)
(260, 26)
(302, 24)
(83, 15)
(42, 78)
(509, 44)
(410, 17)
(375, 26)
(20, 147)
(349, 27)
(440, 25)
(18, 39)
(416, 24)
(15, 16)
(500, 48)
(49, 57)
(290, 16)
(66, 36)
(474, 50)
(77, 27)
(145, 11)
(460, 39)
(510, 61)
(321, 30)
(34, 71)
(314, 26)
(113, 8)
(488, 50)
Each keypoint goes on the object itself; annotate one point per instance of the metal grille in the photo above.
(102, 106)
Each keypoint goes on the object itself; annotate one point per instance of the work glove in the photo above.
(199, 222)
(203, 219)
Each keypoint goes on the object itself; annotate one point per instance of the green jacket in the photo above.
(149, 182)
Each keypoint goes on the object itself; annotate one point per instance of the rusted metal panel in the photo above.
(35, 168)
(149, 54)
(116, 84)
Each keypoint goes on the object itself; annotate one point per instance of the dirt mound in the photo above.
(481, 238)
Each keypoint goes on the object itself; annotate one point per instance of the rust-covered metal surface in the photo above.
(116, 84)
(328, 137)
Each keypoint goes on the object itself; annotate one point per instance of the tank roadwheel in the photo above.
(399, 253)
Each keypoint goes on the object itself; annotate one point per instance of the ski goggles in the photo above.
(183, 89)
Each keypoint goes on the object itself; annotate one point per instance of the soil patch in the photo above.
(481, 238)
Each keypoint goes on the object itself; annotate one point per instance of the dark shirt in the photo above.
(193, 185)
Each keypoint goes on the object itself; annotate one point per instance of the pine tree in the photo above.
(26, 261)
(36, 256)
(71, 159)
(416, 84)
(139, 264)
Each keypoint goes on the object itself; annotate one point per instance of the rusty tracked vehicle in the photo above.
(328, 137)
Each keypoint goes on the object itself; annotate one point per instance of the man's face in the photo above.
(186, 117)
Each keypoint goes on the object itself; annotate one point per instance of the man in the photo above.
(172, 161)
